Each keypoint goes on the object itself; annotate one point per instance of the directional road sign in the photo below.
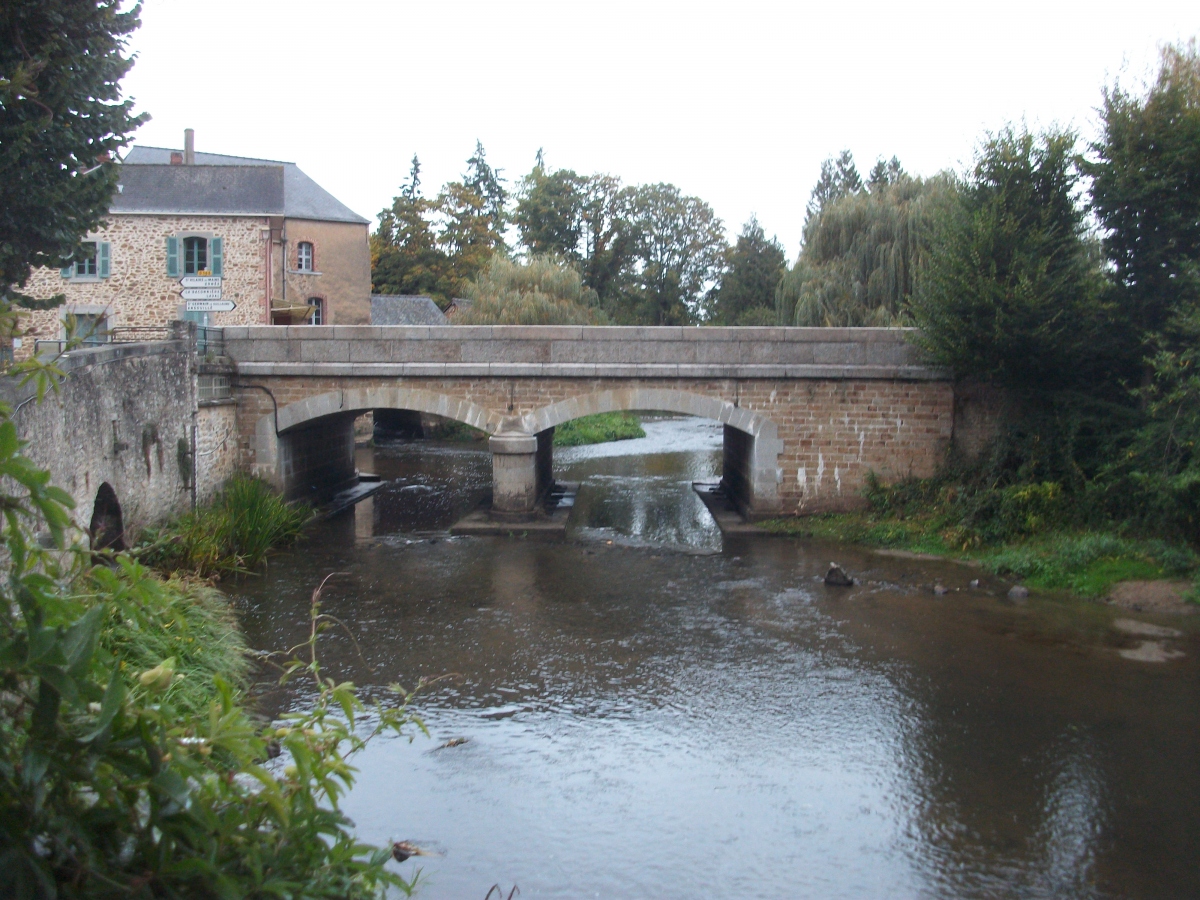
(200, 281)
(201, 293)
(210, 306)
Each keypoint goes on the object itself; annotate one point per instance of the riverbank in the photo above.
(1087, 564)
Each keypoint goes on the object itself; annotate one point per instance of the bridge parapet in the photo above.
(577, 352)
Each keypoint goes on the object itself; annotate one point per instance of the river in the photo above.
(654, 710)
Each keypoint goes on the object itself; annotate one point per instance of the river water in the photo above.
(653, 710)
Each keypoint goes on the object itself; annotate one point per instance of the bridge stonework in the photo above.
(807, 412)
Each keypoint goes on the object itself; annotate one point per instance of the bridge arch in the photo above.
(311, 441)
(751, 470)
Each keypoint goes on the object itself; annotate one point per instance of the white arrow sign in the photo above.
(204, 293)
(210, 306)
(200, 281)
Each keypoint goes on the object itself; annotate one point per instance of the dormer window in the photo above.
(304, 257)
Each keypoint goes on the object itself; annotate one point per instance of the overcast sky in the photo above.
(736, 102)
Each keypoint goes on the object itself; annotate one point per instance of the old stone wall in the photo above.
(123, 416)
(217, 454)
(138, 292)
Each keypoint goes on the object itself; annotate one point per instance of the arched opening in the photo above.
(310, 453)
(750, 460)
(107, 528)
(308, 448)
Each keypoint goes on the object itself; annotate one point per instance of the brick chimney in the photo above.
(189, 147)
(176, 158)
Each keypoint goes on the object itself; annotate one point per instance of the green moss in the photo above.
(598, 429)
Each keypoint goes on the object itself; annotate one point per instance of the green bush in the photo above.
(128, 766)
(233, 534)
(598, 429)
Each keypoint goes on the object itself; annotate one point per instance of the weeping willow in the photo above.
(540, 292)
(862, 254)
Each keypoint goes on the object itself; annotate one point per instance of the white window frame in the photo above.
(317, 318)
(303, 264)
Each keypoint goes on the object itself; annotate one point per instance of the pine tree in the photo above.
(62, 122)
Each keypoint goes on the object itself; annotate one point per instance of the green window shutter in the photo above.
(103, 259)
(218, 256)
(173, 257)
(67, 271)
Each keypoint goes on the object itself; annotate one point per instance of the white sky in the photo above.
(734, 102)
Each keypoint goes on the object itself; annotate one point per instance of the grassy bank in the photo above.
(598, 429)
(1085, 563)
(232, 534)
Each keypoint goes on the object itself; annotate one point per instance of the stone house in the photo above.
(286, 251)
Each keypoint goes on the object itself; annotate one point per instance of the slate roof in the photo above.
(219, 184)
(405, 309)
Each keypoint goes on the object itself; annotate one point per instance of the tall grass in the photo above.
(233, 534)
(150, 621)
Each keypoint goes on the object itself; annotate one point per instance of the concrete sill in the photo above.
(303, 272)
(205, 404)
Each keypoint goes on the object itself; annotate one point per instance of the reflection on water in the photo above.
(644, 722)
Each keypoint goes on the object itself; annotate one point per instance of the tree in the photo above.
(884, 174)
(488, 184)
(405, 258)
(680, 250)
(62, 122)
(1146, 192)
(549, 212)
(540, 292)
(862, 252)
(437, 247)
(1011, 290)
(753, 268)
(584, 219)
(839, 178)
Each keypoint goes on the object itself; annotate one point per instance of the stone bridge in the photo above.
(808, 412)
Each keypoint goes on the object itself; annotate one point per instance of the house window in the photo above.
(87, 265)
(304, 256)
(316, 315)
(90, 328)
(96, 261)
(195, 255)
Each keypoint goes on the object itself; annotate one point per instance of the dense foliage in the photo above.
(863, 246)
(649, 254)
(746, 293)
(61, 121)
(128, 764)
(1093, 338)
(435, 247)
(1011, 292)
(540, 292)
